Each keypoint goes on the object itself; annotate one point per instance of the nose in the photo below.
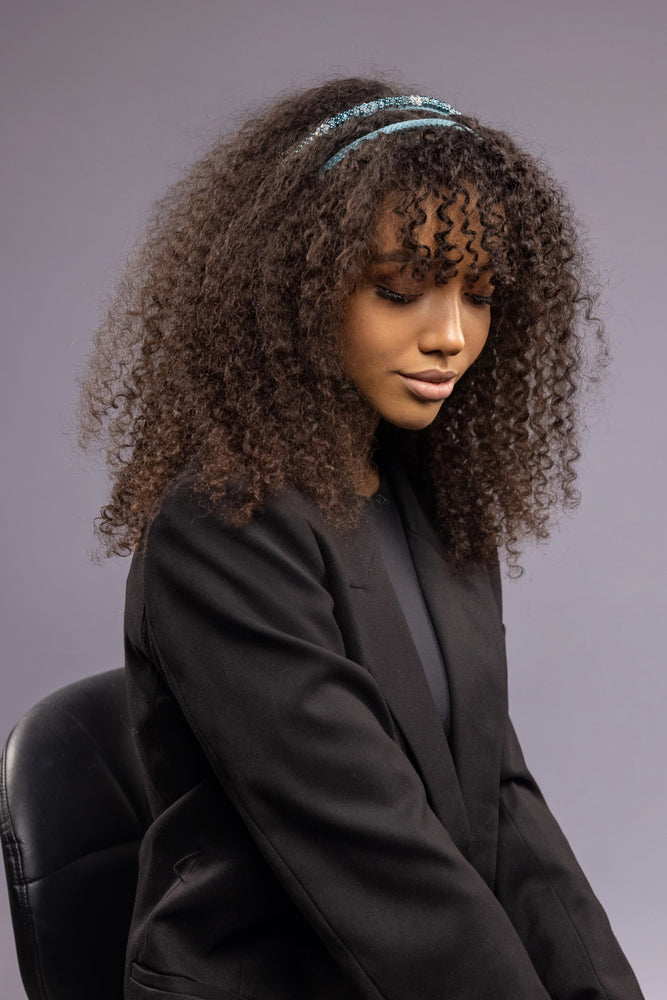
(443, 329)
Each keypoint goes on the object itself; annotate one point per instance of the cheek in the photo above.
(364, 341)
(361, 364)
(347, 349)
(351, 352)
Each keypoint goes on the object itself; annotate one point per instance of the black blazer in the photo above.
(316, 837)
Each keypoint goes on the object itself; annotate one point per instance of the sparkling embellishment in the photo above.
(371, 107)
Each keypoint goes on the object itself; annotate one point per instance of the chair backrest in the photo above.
(72, 815)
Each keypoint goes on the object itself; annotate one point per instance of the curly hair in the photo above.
(220, 351)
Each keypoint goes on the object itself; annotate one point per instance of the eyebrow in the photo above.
(394, 256)
(403, 256)
(400, 255)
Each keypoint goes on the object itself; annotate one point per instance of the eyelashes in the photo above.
(398, 298)
(391, 296)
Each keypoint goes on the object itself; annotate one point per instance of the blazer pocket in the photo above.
(146, 984)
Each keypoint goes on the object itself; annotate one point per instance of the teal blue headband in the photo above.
(401, 103)
(394, 127)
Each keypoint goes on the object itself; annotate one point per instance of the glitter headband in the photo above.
(400, 103)
(394, 127)
(372, 107)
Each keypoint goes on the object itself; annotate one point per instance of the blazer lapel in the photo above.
(386, 648)
(466, 620)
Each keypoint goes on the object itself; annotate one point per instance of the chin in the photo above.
(413, 421)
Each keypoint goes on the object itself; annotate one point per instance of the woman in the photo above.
(341, 374)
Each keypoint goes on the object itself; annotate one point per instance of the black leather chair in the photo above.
(72, 814)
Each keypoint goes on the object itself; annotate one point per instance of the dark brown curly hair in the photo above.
(221, 350)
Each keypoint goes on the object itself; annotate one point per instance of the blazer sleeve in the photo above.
(243, 627)
(548, 898)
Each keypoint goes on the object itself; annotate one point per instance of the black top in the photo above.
(390, 535)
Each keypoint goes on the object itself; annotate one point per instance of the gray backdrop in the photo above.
(104, 103)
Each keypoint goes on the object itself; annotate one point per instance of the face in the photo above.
(407, 341)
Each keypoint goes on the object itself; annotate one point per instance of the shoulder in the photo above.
(198, 572)
(190, 536)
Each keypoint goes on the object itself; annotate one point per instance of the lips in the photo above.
(432, 375)
(431, 384)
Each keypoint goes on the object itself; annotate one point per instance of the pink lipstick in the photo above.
(432, 384)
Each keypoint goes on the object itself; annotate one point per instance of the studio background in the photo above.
(105, 104)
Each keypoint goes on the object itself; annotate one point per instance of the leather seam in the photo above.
(12, 850)
(24, 882)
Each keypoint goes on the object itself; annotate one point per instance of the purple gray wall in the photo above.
(103, 104)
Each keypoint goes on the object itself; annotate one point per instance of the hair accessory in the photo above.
(394, 127)
(431, 104)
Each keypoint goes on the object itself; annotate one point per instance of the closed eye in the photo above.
(480, 300)
(391, 296)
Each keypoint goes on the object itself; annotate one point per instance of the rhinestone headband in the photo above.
(431, 104)
(394, 127)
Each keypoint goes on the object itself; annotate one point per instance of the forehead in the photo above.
(433, 222)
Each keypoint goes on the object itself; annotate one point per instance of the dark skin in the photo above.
(406, 340)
